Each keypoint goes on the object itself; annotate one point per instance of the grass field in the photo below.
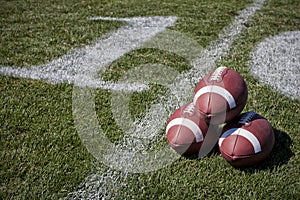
(41, 154)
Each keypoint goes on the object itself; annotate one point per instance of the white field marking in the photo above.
(83, 64)
(189, 124)
(244, 133)
(183, 85)
(104, 184)
(185, 82)
(218, 90)
(216, 50)
(276, 62)
(147, 74)
(180, 90)
(201, 64)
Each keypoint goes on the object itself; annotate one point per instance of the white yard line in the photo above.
(182, 89)
(276, 62)
(216, 50)
(82, 65)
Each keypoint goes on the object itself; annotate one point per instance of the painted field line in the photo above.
(276, 62)
(216, 50)
(82, 65)
(183, 86)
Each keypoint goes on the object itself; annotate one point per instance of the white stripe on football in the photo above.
(244, 133)
(218, 90)
(194, 128)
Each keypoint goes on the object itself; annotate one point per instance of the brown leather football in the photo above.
(185, 130)
(247, 140)
(220, 95)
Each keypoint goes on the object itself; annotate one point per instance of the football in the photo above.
(185, 130)
(247, 140)
(220, 95)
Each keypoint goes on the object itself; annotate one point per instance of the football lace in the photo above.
(247, 117)
(217, 74)
(190, 109)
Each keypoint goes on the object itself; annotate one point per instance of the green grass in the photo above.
(41, 154)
